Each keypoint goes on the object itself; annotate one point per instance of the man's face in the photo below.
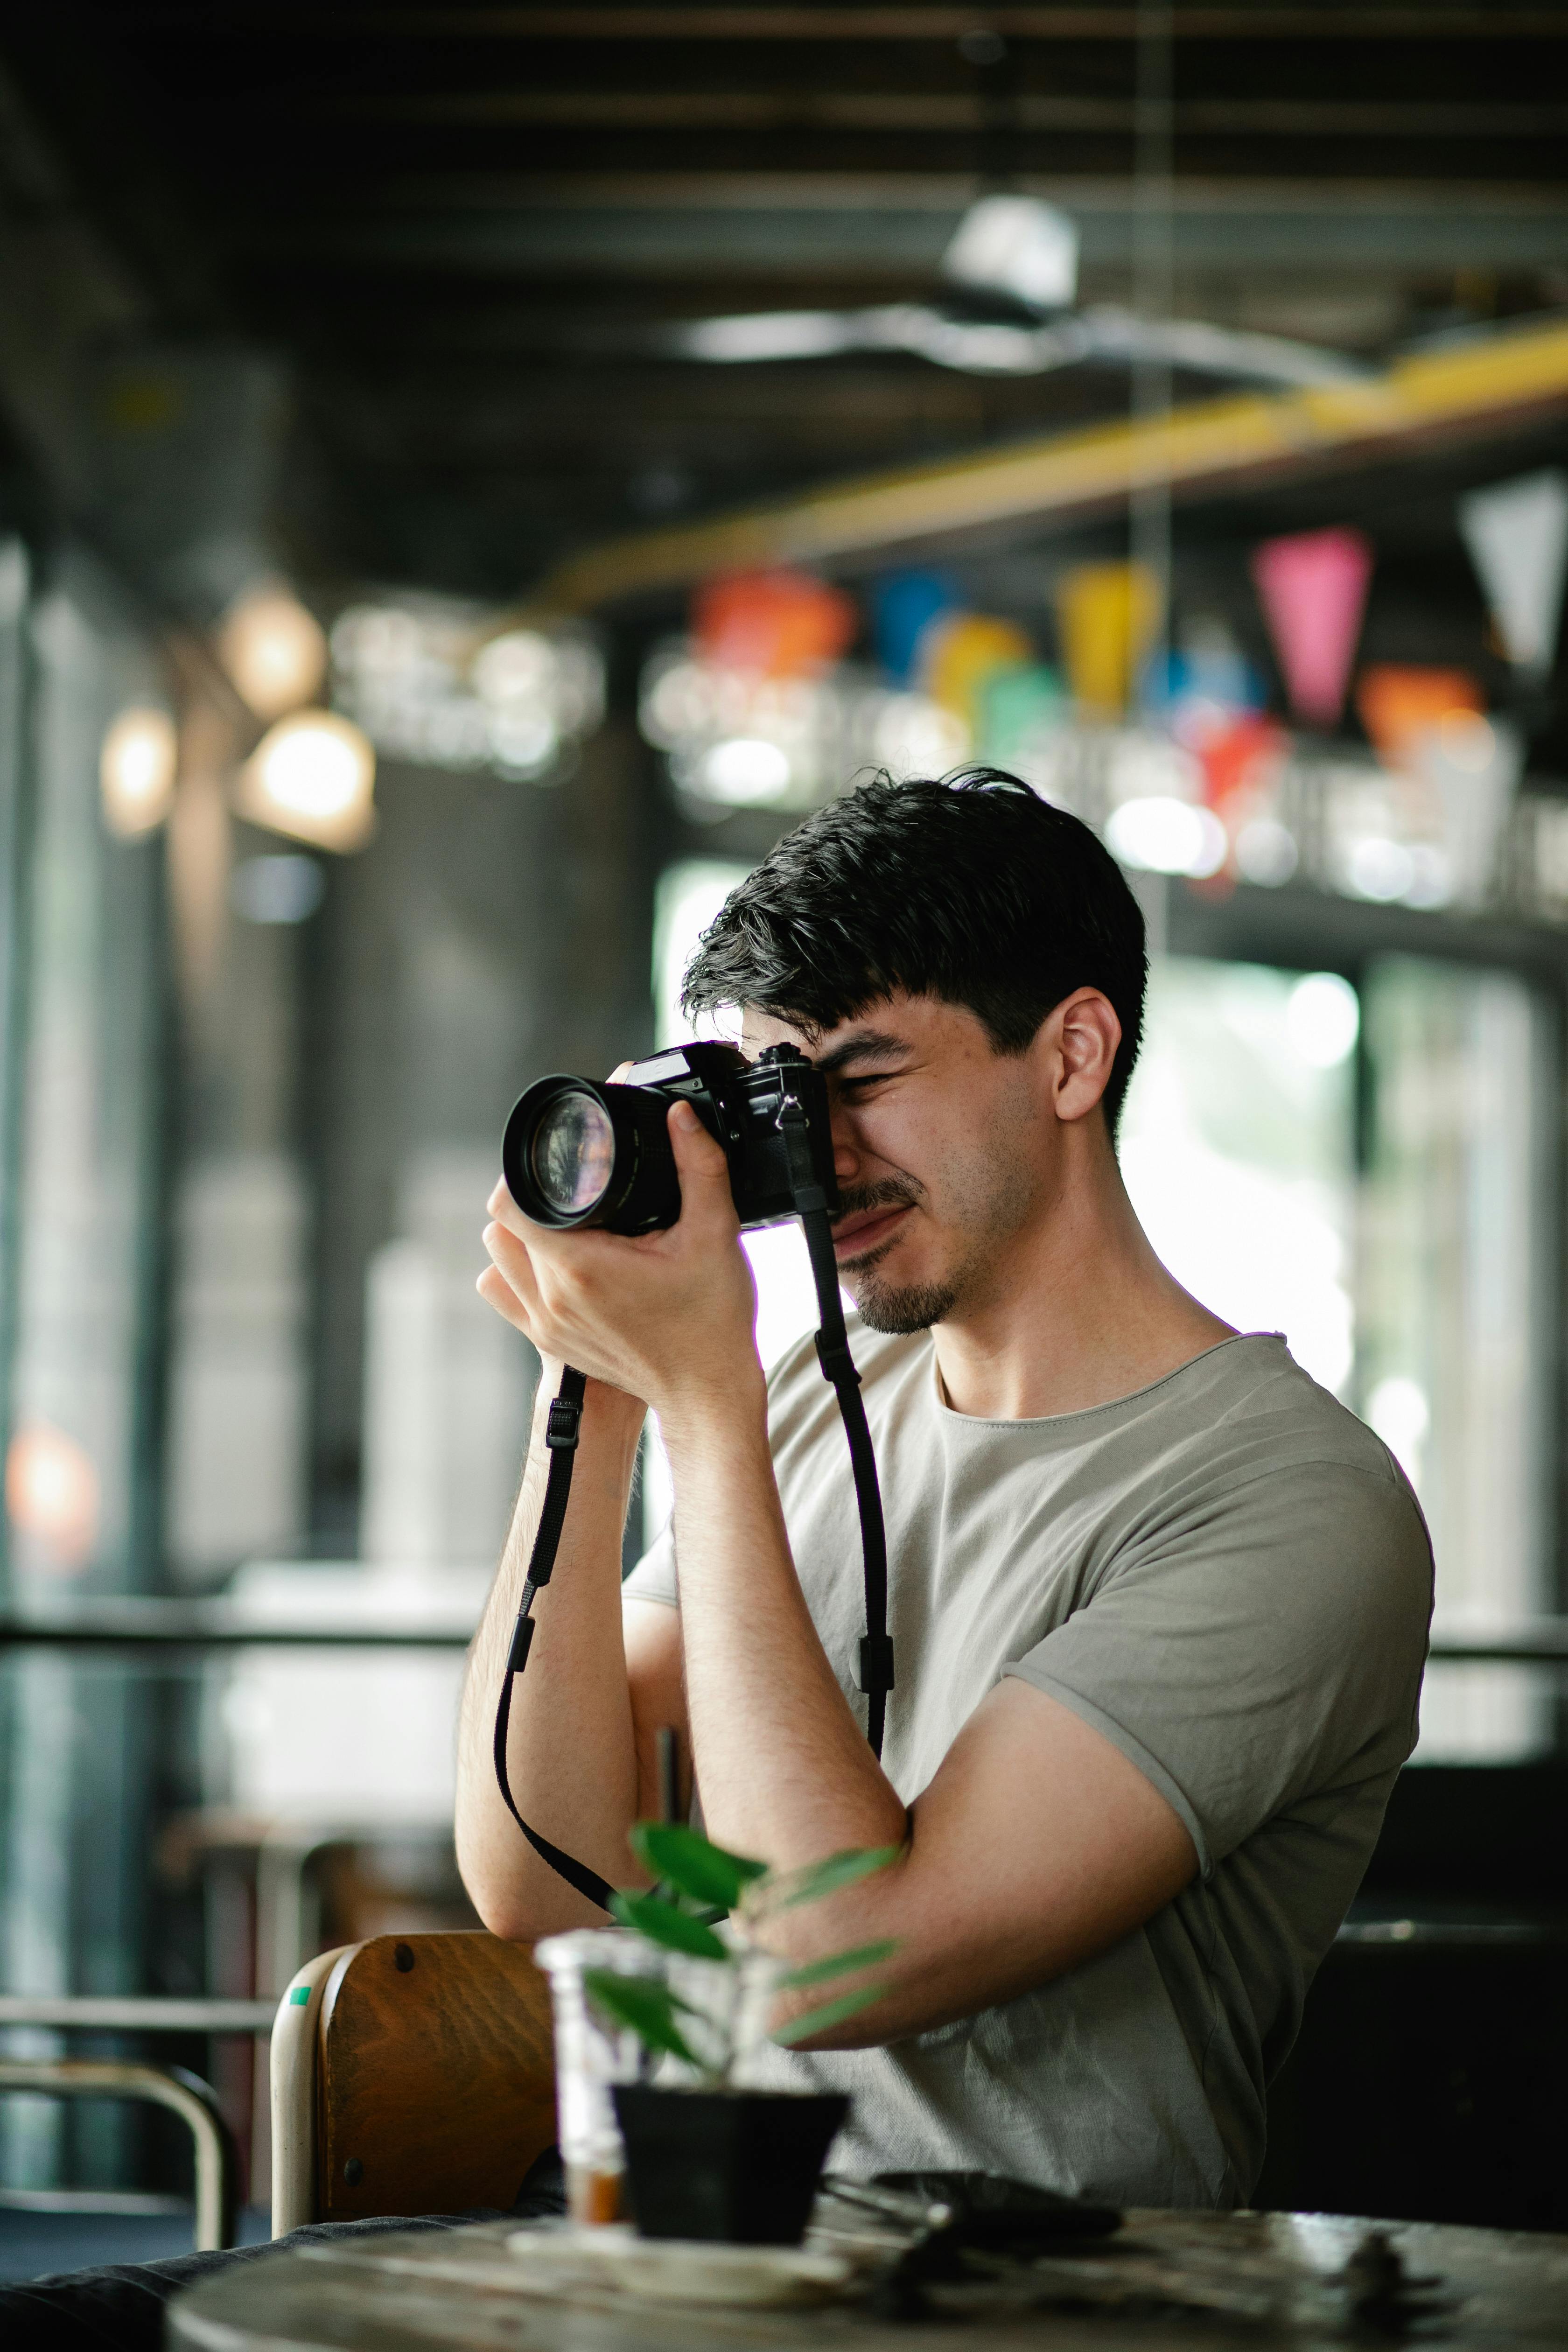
(945, 1151)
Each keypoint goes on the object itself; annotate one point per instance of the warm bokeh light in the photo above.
(313, 776)
(273, 649)
(51, 1497)
(136, 769)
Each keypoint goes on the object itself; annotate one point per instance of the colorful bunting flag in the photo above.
(903, 606)
(1401, 703)
(1108, 615)
(776, 624)
(1517, 535)
(960, 655)
(1312, 587)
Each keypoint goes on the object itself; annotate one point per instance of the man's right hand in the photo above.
(575, 1750)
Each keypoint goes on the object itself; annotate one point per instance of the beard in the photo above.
(888, 1305)
(909, 1307)
(998, 1191)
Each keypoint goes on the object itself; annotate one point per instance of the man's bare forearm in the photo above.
(784, 1767)
(570, 1756)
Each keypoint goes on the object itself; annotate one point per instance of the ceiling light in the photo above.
(136, 771)
(313, 776)
(273, 649)
(1018, 246)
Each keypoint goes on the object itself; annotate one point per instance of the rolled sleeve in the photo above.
(1272, 1647)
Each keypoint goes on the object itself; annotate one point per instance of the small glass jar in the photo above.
(592, 2054)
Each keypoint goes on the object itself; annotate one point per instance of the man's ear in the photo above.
(1087, 1034)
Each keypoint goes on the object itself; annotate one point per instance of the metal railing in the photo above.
(137, 2013)
(136, 1623)
(151, 1624)
(185, 2094)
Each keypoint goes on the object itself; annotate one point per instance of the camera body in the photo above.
(578, 1153)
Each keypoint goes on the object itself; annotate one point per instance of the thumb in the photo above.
(699, 1160)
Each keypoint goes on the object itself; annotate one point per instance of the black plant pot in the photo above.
(737, 2166)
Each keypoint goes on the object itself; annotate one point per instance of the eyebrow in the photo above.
(866, 1045)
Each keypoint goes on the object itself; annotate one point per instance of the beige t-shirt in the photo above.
(1228, 1577)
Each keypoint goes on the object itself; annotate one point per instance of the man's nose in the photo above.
(845, 1157)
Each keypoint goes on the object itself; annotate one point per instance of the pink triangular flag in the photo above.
(1312, 587)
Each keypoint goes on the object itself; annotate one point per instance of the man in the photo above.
(1159, 1603)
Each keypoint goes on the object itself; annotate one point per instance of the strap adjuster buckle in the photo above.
(561, 1429)
(838, 1364)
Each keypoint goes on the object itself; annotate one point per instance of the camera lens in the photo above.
(572, 1155)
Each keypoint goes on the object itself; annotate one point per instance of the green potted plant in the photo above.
(709, 2157)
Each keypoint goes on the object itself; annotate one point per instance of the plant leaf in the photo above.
(662, 1923)
(838, 1965)
(691, 1862)
(820, 1878)
(646, 2008)
(828, 2012)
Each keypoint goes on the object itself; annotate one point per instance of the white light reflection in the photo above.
(427, 685)
(1265, 851)
(1398, 1410)
(1237, 1152)
(744, 772)
(1323, 1018)
(1380, 869)
(277, 889)
(1167, 836)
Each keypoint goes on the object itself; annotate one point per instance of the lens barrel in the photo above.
(575, 1153)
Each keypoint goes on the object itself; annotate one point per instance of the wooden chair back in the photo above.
(434, 2075)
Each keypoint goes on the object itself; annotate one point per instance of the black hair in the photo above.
(972, 889)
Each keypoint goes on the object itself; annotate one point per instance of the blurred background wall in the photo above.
(468, 481)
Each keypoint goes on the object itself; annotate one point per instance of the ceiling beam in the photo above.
(1427, 24)
(1508, 378)
(951, 111)
(632, 229)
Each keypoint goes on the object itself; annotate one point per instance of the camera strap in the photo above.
(561, 1433)
(875, 1674)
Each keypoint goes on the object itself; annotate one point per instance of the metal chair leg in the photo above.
(183, 2093)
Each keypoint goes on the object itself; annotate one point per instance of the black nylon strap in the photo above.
(561, 1438)
(876, 1659)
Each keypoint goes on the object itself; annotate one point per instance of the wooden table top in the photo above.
(1210, 2282)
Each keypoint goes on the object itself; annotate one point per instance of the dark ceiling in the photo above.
(463, 226)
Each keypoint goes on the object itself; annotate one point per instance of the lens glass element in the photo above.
(573, 1153)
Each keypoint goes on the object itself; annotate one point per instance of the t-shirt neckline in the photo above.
(1064, 1421)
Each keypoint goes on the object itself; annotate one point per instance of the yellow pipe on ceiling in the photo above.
(1224, 442)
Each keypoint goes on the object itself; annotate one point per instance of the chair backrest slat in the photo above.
(435, 2079)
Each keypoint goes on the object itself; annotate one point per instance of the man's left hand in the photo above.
(665, 1316)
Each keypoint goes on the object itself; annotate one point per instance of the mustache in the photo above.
(892, 1192)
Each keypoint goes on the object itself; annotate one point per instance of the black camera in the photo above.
(576, 1153)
